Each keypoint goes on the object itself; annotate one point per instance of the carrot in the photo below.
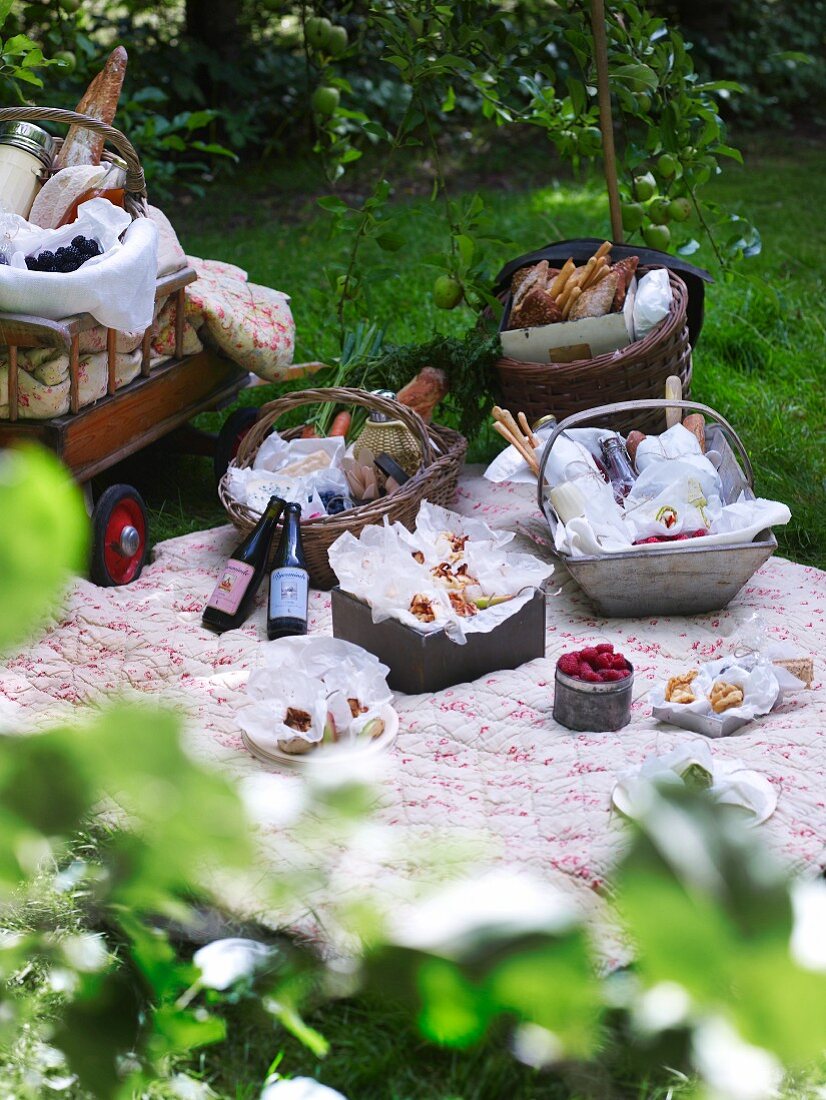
(341, 424)
(309, 432)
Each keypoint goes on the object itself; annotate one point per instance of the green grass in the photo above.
(759, 360)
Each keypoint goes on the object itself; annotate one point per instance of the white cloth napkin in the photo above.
(732, 784)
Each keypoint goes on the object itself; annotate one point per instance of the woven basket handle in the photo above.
(339, 396)
(632, 406)
(135, 184)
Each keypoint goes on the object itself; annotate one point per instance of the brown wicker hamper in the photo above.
(636, 372)
(443, 452)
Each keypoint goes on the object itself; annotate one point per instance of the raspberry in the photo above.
(605, 660)
(610, 675)
(605, 647)
(624, 673)
(589, 654)
(587, 674)
(569, 664)
(619, 661)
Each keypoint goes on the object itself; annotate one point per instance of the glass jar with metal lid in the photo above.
(383, 435)
(25, 154)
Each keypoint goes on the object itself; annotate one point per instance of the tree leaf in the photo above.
(44, 537)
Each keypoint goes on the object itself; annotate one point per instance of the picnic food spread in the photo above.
(428, 588)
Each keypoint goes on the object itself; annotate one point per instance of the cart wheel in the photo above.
(233, 430)
(119, 537)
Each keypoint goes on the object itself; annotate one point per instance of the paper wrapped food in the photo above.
(737, 687)
(672, 491)
(451, 573)
(314, 691)
(728, 782)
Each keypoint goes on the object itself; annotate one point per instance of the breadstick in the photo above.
(592, 277)
(562, 298)
(603, 250)
(506, 417)
(559, 282)
(519, 444)
(586, 272)
(575, 293)
(526, 428)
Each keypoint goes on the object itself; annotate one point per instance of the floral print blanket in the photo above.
(480, 773)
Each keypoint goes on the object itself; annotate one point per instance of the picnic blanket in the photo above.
(480, 771)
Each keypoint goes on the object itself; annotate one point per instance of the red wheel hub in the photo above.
(124, 541)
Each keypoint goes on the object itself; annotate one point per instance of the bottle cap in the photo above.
(380, 417)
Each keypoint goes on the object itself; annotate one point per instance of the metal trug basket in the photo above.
(677, 579)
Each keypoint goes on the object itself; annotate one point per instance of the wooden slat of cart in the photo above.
(137, 414)
(12, 382)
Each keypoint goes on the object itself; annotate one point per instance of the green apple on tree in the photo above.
(335, 41)
(447, 292)
(645, 186)
(668, 165)
(659, 211)
(326, 100)
(633, 215)
(679, 209)
(315, 31)
(657, 236)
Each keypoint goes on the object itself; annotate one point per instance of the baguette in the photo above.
(100, 101)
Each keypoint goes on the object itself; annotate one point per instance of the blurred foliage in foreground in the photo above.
(729, 983)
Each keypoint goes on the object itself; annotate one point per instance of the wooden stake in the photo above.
(12, 382)
(606, 122)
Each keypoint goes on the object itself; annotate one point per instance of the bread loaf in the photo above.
(624, 271)
(424, 392)
(100, 101)
(536, 308)
(596, 301)
(62, 190)
(632, 442)
(697, 425)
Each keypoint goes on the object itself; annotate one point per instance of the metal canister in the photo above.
(25, 154)
(592, 708)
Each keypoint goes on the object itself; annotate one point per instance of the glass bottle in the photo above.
(110, 187)
(289, 581)
(618, 466)
(231, 602)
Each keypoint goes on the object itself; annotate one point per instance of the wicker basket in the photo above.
(443, 452)
(635, 373)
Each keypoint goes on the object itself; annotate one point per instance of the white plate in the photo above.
(355, 750)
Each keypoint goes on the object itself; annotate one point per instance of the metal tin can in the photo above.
(25, 153)
(592, 708)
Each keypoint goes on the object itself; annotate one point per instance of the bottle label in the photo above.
(230, 589)
(289, 591)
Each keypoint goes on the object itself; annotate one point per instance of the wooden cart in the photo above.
(159, 401)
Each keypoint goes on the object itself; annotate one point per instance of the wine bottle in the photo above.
(289, 581)
(618, 465)
(231, 602)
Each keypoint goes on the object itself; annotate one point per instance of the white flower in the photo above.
(733, 1068)
(808, 939)
(224, 962)
(299, 1088)
(665, 1005)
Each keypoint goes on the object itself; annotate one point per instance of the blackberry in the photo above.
(46, 259)
(93, 248)
(75, 257)
(79, 242)
(32, 263)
